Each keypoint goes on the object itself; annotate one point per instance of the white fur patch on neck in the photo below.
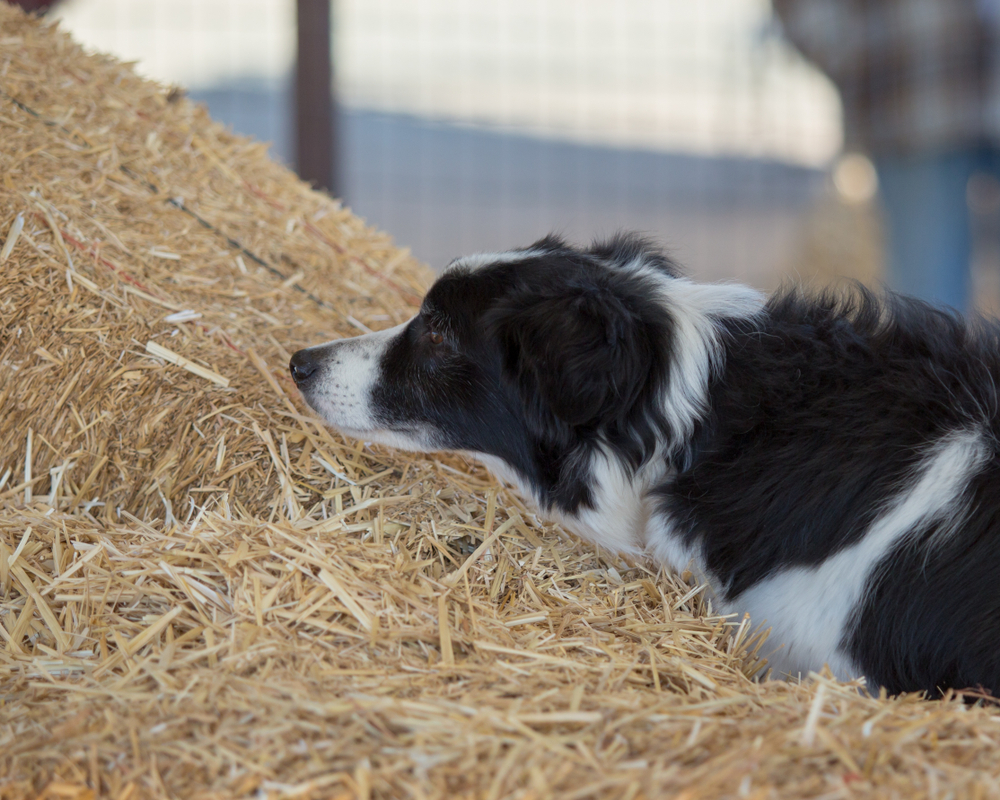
(696, 355)
(618, 520)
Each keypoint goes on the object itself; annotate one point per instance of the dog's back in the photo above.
(845, 489)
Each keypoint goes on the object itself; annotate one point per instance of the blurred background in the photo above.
(467, 125)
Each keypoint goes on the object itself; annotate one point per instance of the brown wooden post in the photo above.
(315, 143)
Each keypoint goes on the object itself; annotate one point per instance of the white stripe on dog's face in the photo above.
(341, 389)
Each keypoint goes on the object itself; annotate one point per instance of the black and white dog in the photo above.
(829, 465)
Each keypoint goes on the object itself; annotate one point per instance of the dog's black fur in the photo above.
(772, 442)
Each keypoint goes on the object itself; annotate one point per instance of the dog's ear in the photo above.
(580, 356)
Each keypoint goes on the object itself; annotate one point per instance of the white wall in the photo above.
(698, 76)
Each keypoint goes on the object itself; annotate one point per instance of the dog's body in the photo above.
(829, 466)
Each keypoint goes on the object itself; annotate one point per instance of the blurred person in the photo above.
(919, 84)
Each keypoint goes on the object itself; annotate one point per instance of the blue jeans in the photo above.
(928, 227)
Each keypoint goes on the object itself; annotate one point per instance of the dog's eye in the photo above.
(435, 337)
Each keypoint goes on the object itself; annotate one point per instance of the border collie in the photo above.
(828, 465)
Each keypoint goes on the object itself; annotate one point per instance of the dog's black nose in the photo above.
(302, 366)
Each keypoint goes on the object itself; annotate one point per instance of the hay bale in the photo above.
(116, 180)
(203, 593)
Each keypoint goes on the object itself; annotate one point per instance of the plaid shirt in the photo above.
(913, 75)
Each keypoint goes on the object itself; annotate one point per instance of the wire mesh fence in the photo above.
(467, 125)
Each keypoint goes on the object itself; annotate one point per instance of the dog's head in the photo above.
(523, 356)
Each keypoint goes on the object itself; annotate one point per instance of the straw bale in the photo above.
(204, 593)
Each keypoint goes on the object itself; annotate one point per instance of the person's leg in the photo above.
(990, 232)
(928, 238)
